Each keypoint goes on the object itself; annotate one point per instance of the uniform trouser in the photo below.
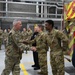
(43, 62)
(57, 64)
(11, 65)
(36, 59)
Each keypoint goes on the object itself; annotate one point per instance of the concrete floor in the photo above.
(27, 61)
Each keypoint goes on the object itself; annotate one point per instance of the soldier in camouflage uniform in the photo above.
(28, 37)
(24, 34)
(24, 37)
(1, 36)
(29, 33)
(5, 37)
(54, 40)
(41, 47)
(13, 50)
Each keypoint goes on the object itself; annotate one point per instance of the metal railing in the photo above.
(41, 12)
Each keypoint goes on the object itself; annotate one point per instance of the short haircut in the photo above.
(50, 22)
(16, 21)
(41, 26)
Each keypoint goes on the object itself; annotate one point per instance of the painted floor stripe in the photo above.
(23, 69)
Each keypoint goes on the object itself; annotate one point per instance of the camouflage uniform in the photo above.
(24, 37)
(28, 37)
(1, 33)
(5, 38)
(13, 54)
(42, 48)
(29, 34)
(42, 52)
(56, 53)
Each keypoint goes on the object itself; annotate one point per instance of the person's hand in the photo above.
(33, 48)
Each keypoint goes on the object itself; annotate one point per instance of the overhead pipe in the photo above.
(30, 4)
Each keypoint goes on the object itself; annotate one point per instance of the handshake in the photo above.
(27, 42)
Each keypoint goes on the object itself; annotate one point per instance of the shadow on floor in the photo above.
(70, 70)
